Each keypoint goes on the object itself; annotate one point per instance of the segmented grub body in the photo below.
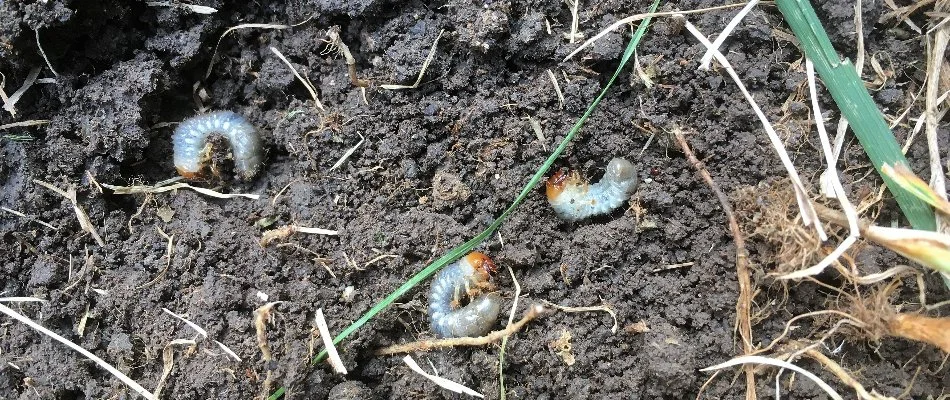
(573, 199)
(465, 277)
(191, 138)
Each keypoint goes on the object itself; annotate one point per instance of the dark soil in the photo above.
(438, 164)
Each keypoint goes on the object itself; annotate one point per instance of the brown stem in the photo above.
(426, 345)
(921, 328)
(744, 303)
(335, 40)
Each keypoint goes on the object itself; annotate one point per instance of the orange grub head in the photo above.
(555, 184)
(560, 180)
(481, 263)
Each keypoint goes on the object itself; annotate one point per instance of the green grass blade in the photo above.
(464, 248)
(277, 394)
(852, 98)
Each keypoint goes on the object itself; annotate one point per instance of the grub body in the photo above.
(191, 138)
(463, 278)
(573, 199)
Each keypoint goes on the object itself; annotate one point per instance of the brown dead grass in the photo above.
(858, 308)
(769, 214)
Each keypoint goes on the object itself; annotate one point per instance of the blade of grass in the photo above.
(910, 182)
(852, 98)
(464, 248)
(277, 394)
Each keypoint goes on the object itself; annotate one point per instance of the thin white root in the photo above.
(438, 380)
(514, 305)
(158, 188)
(604, 308)
(43, 53)
(777, 363)
(112, 370)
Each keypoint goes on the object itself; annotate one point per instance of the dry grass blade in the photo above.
(112, 370)
(286, 231)
(906, 178)
(21, 300)
(935, 65)
(639, 17)
(32, 122)
(193, 325)
(710, 52)
(316, 231)
(425, 65)
(538, 132)
(84, 222)
(573, 35)
(30, 218)
(160, 189)
(9, 102)
(228, 350)
(557, 88)
(214, 55)
(438, 380)
(831, 175)
(806, 208)
(922, 329)
(261, 316)
(778, 363)
(332, 356)
(168, 361)
(306, 83)
(931, 249)
(193, 8)
(348, 153)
